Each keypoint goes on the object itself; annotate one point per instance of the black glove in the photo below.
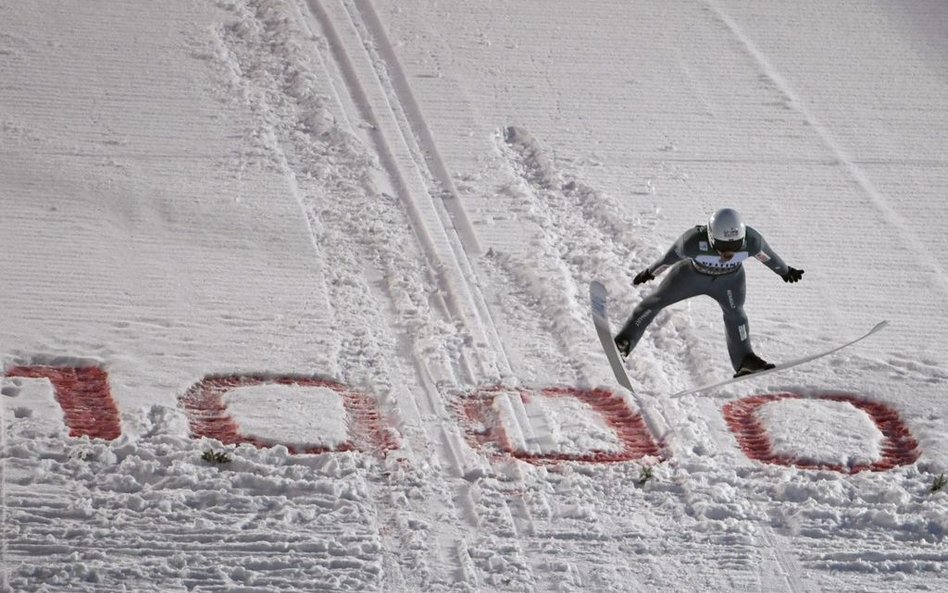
(643, 277)
(792, 275)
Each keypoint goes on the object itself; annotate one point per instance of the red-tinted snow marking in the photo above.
(484, 427)
(900, 446)
(208, 415)
(84, 395)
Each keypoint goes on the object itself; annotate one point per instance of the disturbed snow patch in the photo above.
(559, 426)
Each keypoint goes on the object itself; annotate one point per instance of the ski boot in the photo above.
(752, 364)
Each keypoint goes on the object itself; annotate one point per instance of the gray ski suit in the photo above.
(695, 268)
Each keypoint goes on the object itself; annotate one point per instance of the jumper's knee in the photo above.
(735, 316)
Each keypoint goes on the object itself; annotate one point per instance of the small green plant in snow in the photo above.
(940, 483)
(645, 474)
(219, 457)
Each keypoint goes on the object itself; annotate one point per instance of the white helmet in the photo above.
(726, 230)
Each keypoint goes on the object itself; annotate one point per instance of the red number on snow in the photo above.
(208, 415)
(900, 446)
(84, 395)
(484, 426)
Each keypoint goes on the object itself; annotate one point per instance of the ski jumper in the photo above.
(695, 268)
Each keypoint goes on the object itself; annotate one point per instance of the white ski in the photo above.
(598, 296)
(783, 366)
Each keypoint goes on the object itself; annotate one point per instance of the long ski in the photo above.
(783, 366)
(598, 295)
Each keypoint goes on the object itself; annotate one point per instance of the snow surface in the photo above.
(561, 426)
(411, 198)
(304, 417)
(822, 431)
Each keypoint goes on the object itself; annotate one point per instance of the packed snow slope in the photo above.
(346, 246)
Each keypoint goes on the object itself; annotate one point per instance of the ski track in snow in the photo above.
(382, 268)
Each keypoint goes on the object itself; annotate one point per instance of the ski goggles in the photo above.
(727, 246)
